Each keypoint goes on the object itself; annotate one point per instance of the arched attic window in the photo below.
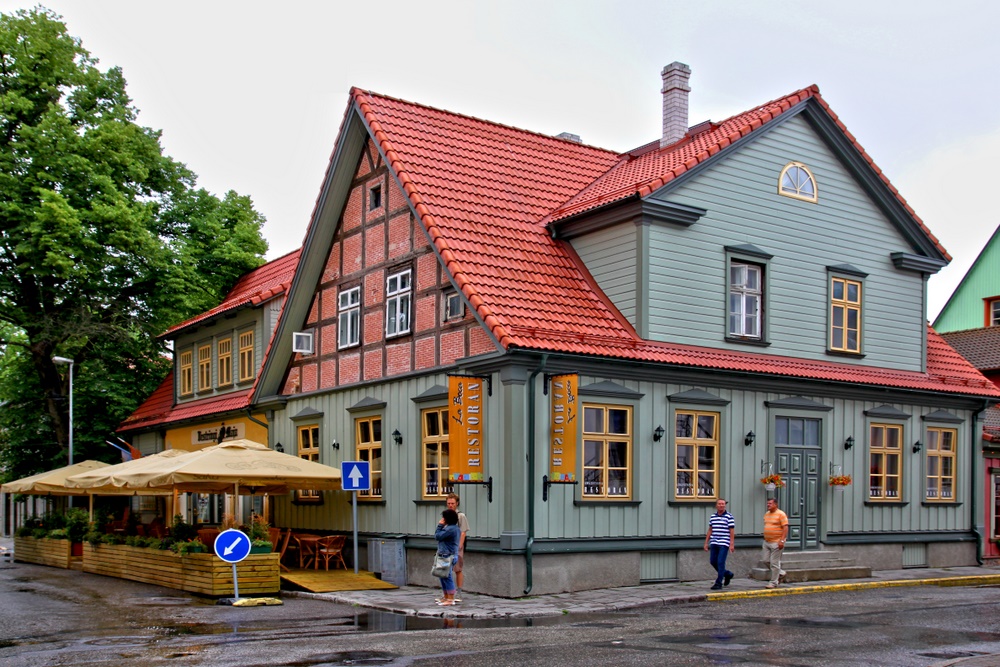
(797, 182)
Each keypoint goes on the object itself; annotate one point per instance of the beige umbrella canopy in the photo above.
(52, 482)
(107, 480)
(238, 465)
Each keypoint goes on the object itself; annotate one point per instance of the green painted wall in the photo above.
(966, 309)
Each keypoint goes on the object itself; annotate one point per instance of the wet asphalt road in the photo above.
(58, 617)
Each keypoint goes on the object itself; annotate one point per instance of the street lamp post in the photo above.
(64, 360)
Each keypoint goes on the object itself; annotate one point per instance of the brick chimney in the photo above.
(675, 102)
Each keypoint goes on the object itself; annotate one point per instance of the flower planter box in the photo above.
(42, 551)
(205, 574)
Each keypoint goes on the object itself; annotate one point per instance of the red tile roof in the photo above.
(255, 287)
(485, 192)
(159, 408)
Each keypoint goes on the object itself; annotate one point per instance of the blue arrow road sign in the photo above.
(232, 545)
(355, 476)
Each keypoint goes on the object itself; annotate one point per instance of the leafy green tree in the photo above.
(104, 243)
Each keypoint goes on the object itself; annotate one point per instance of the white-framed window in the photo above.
(454, 309)
(746, 295)
(797, 182)
(993, 312)
(398, 292)
(302, 342)
(349, 318)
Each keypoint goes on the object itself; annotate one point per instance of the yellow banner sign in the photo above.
(465, 437)
(563, 427)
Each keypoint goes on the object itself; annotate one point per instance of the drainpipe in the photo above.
(972, 496)
(530, 446)
(255, 420)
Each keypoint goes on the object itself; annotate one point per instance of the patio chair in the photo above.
(330, 548)
(156, 528)
(274, 537)
(207, 537)
(307, 549)
(286, 547)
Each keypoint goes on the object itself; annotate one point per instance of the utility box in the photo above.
(387, 558)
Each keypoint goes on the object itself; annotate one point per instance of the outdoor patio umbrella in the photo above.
(52, 482)
(234, 467)
(108, 480)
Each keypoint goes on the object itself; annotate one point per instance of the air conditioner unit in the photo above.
(302, 342)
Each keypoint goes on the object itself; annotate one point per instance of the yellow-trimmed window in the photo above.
(885, 458)
(845, 315)
(187, 372)
(368, 431)
(797, 182)
(435, 447)
(607, 451)
(224, 352)
(309, 450)
(246, 356)
(696, 443)
(204, 367)
(941, 443)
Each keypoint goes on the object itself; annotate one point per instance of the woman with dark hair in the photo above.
(447, 536)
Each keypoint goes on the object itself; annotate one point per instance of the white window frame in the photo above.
(349, 318)
(993, 308)
(739, 316)
(454, 309)
(302, 342)
(398, 295)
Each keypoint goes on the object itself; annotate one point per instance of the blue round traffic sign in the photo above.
(232, 545)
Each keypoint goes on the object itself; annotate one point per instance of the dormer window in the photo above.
(797, 182)
(993, 312)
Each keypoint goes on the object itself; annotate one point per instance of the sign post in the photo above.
(355, 476)
(233, 546)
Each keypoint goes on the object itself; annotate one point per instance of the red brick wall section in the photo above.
(452, 346)
(375, 245)
(480, 342)
(373, 364)
(399, 358)
(426, 313)
(426, 348)
(427, 274)
(399, 235)
(374, 290)
(291, 382)
(352, 212)
(372, 325)
(328, 303)
(350, 368)
(328, 340)
(308, 377)
(313, 318)
(352, 254)
(374, 213)
(397, 198)
(332, 270)
(328, 374)
(364, 165)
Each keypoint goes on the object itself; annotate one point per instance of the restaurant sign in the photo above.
(208, 436)
(465, 439)
(563, 428)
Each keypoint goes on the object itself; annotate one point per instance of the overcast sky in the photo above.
(250, 95)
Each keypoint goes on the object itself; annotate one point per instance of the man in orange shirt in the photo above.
(775, 534)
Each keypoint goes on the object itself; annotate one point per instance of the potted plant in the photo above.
(77, 526)
(194, 546)
(838, 482)
(772, 482)
(261, 546)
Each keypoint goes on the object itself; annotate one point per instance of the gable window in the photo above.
(884, 458)
(845, 315)
(435, 447)
(607, 451)
(993, 312)
(224, 352)
(453, 308)
(368, 432)
(397, 304)
(375, 198)
(349, 318)
(746, 294)
(941, 463)
(309, 450)
(187, 372)
(246, 356)
(204, 367)
(696, 442)
(797, 181)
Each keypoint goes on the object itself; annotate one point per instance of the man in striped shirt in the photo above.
(720, 540)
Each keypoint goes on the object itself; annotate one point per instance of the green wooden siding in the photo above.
(610, 256)
(966, 309)
(688, 296)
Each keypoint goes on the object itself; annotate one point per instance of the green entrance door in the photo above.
(798, 457)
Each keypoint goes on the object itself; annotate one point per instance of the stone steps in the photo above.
(802, 566)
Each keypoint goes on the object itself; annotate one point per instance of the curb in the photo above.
(974, 580)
